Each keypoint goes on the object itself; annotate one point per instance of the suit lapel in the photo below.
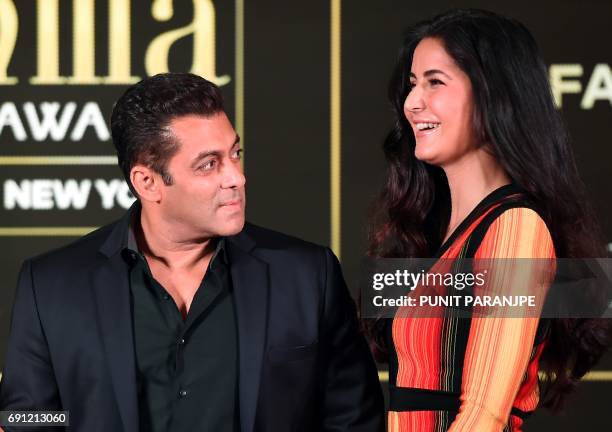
(111, 290)
(250, 282)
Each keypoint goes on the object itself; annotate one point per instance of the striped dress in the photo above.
(479, 373)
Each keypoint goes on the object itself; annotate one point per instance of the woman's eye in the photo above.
(435, 82)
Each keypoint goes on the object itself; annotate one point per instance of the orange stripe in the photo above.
(500, 366)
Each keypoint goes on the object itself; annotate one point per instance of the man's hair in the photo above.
(142, 115)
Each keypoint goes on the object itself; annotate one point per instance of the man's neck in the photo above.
(166, 246)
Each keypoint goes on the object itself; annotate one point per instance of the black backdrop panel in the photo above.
(280, 85)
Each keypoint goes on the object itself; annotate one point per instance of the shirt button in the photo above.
(182, 342)
(182, 394)
(166, 296)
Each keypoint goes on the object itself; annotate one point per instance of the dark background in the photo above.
(287, 121)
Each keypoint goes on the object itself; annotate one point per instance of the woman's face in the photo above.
(440, 106)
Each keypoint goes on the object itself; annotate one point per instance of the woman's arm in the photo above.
(499, 348)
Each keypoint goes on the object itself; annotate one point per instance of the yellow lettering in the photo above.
(47, 14)
(119, 43)
(83, 43)
(203, 30)
(9, 25)
(560, 85)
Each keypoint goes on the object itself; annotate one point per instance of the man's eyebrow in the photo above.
(203, 155)
(431, 72)
(216, 153)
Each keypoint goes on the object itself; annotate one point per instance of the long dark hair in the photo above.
(515, 113)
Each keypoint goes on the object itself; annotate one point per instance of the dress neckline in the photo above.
(489, 200)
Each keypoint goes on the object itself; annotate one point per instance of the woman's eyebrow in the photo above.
(431, 72)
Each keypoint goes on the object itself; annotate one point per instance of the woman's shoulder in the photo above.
(517, 231)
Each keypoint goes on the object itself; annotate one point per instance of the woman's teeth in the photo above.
(427, 126)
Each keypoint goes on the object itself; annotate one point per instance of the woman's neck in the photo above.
(470, 180)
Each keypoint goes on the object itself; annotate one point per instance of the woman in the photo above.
(479, 166)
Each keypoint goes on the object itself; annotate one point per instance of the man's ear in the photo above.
(146, 182)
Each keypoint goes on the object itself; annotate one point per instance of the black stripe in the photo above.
(491, 199)
(475, 239)
(477, 235)
(416, 399)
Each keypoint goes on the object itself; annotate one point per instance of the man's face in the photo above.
(207, 197)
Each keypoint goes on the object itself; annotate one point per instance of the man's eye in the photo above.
(237, 154)
(207, 166)
(411, 85)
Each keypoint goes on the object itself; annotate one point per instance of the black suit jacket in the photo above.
(302, 364)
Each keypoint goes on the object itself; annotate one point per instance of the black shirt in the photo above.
(186, 368)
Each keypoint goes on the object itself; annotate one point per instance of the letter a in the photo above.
(203, 29)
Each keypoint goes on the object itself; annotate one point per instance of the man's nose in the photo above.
(233, 176)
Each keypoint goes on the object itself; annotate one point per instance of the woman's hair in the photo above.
(515, 114)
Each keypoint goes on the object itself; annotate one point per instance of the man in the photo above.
(179, 317)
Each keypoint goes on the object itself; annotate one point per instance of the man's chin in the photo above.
(232, 228)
